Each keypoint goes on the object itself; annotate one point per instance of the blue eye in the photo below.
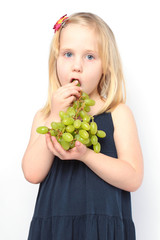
(90, 57)
(68, 54)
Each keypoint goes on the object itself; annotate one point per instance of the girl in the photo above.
(83, 194)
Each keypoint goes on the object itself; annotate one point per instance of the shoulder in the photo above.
(122, 115)
(123, 121)
(127, 140)
(38, 120)
(121, 109)
(39, 117)
(125, 129)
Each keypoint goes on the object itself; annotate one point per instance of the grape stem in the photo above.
(79, 109)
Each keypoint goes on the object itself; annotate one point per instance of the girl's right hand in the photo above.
(63, 97)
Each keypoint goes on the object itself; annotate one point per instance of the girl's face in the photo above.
(79, 59)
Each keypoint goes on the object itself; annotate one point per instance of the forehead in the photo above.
(77, 35)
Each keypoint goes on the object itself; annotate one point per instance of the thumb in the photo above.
(81, 150)
(79, 146)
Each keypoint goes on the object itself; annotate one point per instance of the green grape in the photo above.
(89, 102)
(76, 105)
(87, 108)
(65, 144)
(58, 139)
(67, 137)
(63, 115)
(97, 147)
(86, 118)
(63, 130)
(84, 134)
(85, 95)
(81, 139)
(54, 125)
(74, 133)
(52, 132)
(60, 125)
(101, 134)
(72, 144)
(70, 128)
(90, 143)
(68, 121)
(94, 140)
(86, 141)
(82, 114)
(93, 128)
(71, 111)
(77, 123)
(42, 130)
(76, 136)
(85, 126)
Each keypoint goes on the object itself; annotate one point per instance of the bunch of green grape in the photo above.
(76, 125)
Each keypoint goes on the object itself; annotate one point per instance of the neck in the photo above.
(99, 102)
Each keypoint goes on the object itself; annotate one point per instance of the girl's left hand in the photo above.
(77, 152)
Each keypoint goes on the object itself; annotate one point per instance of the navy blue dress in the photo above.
(73, 203)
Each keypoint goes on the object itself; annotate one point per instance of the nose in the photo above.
(77, 65)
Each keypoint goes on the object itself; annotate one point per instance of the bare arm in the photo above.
(37, 159)
(126, 172)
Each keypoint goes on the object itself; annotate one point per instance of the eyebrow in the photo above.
(85, 50)
(91, 51)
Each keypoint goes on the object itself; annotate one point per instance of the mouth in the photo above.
(73, 79)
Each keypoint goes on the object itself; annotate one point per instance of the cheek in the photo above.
(99, 75)
(96, 73)
(62, 66)
(59, 64)
(62, 72)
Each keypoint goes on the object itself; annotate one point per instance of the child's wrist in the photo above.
(86, 155)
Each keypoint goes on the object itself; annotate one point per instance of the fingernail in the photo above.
(78, 143)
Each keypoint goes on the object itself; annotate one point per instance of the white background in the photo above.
(25, 36)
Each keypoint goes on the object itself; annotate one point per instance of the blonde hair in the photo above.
(111, 87)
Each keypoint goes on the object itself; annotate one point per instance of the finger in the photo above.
(70, 99)
(70, 87)
(50, 145)
(73, 83)
(67, 92)
(71, 92)
(49, 142)
(58, 148)
(81, 150)
(79, 146)
(65, 89)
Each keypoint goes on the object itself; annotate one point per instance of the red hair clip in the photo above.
(59, 23)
